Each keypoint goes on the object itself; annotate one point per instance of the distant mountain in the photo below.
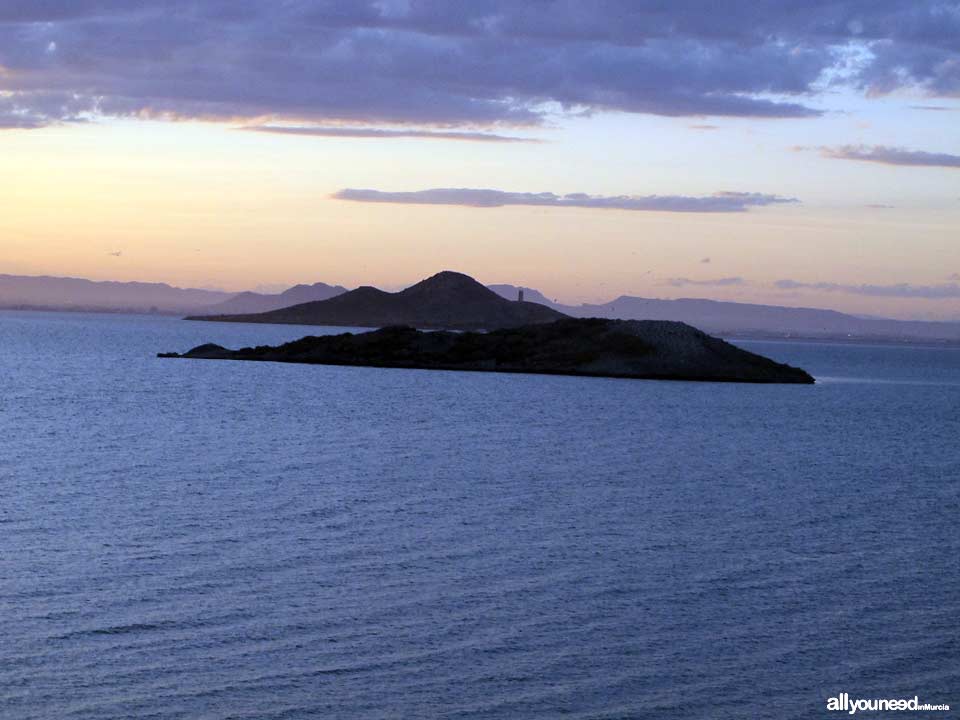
(510, 292)
(448, 300)
(251, 302)
(41, 292)
(745, 319)
(729, 318)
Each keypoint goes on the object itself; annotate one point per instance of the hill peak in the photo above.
(446, 280)
(450, 287)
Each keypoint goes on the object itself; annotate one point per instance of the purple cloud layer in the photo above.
(721, 202)
(892, 156)
(465, 64)
(357, 132)
(901, 290)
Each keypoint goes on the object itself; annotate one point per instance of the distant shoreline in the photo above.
(93, 310)
(729, 336)
(827, 340)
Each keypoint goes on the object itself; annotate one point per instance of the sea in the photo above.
(212, 539)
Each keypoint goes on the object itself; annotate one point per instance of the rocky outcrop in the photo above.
(609, 348)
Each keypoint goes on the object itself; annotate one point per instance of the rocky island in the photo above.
(644, 349)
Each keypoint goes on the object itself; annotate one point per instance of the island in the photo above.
(642, 349)
(445, 301)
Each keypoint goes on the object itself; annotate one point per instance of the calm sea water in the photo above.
(188, 539)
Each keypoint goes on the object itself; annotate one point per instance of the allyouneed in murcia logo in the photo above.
(844, 703)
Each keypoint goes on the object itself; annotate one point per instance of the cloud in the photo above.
(900, 290)
(720, 202)
(28, 111)
(704, 127)
(705, 261)
(355, 132)
(879, 206)
(892, 156)
(488, 62)
(717, 282)
(10, 121)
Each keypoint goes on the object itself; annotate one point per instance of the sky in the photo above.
(788, 152)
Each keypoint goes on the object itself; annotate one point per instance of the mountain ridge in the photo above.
(66, 293)
(726, 318)
(254, 302)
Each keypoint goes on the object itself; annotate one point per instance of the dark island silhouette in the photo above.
(445, 301)
(643, 349)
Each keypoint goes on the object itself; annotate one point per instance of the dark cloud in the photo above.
(354, 132)
(705, 261)
(27, 111)
(722, 202)
(434, 62)
(900, 290)
(716, 282)
(892, 156)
